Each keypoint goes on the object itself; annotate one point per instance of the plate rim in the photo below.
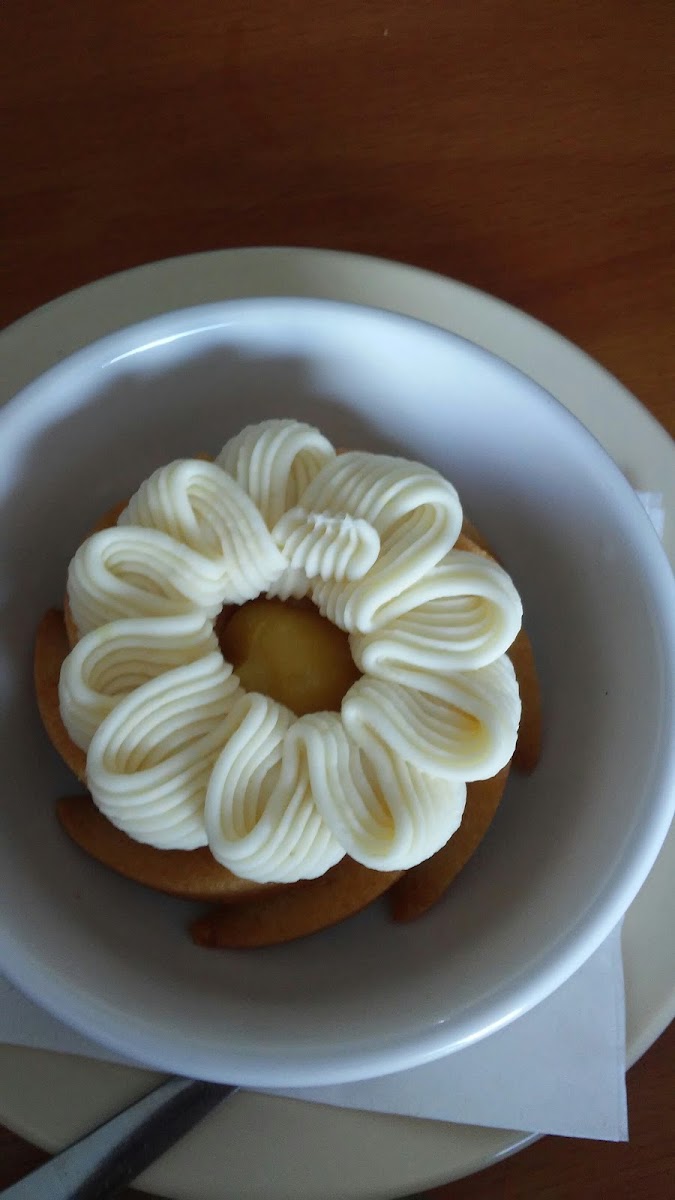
(340, 272)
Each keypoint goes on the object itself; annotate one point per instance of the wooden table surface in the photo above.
(524, 146)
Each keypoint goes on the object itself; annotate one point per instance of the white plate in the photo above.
(272, 1148)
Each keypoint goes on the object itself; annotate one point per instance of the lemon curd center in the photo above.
(288, 651)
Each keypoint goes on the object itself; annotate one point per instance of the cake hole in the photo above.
(288, 651)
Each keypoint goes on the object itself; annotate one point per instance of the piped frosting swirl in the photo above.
(179, 755)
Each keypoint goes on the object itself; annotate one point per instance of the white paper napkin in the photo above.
(558, 1069)
(652, 502)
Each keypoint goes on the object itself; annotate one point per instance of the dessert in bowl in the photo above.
(286, 657)
(570, 843)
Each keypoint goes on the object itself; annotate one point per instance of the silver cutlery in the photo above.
(109, 1158)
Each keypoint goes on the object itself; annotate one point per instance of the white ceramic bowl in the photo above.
(570, 845)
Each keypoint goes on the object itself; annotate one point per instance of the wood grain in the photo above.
(524, 147)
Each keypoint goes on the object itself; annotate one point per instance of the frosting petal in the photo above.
(386, 813)
(150, 760)
(275, 462)
(132, 572)
(463, 729)
(461, 616)
(200, 507)
(260, 816)
(416, 514)
(117, 658)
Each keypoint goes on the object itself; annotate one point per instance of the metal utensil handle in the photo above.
(109, 1158)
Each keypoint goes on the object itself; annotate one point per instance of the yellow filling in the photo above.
(290, 653)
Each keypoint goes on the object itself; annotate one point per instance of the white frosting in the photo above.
(117, 658)
(466, 729)
(274, 463)
(462, 615)
(261, 816)
(327, 547)
(179, 755)
(382, 810)
(416, 515)
(150, 760)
